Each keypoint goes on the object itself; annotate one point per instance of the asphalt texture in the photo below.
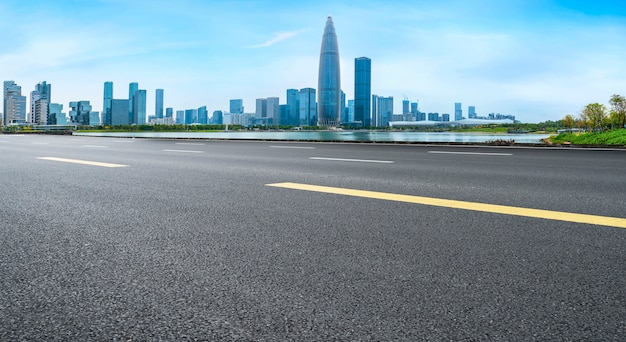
(188, 243)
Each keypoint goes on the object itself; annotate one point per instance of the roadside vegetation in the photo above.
(596, 125)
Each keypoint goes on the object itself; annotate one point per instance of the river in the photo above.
(347, 136)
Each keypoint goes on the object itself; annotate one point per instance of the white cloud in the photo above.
(279, 37)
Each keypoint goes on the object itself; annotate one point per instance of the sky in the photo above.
(537, 60)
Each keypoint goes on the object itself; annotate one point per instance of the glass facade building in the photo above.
(293, 107)
(139, 107)
(329, 80)
(236, 106)
(362, 90)
(308, 107)
(107, 103)
(158, 104)
(14, 104)
(458, 111)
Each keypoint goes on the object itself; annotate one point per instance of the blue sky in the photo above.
(538, 60)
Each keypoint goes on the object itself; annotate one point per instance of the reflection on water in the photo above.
(357, 136)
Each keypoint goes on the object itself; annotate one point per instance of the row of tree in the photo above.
(597, 117)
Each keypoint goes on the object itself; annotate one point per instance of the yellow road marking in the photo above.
(439, 202)
(84, 162)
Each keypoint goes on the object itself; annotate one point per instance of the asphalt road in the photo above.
(186, 241)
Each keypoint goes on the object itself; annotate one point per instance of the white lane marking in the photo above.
(124, 141)
(183, 151)
(83, 162)
(354, 160)
(193, 144)
(95, 146)
(41, 143)
(295, 147)
(471, 153)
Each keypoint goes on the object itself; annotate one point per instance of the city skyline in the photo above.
(535, 60)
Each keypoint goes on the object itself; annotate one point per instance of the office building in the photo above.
(382, 110)
(236, 106)
(132, 90)
(107, 103)
(308, 107)
(14, 110)
(119, 112)
(191, 116)
(80, 112)
(158, 104)
(261, 108)
(203, 115)
(180, 117)
(169, 112)
(458, 112)
(362, 90)
(471, 112)
(139, 107)
(293, 107)
(329, 80)
(217, 118)
(273, 111)
(406, 112)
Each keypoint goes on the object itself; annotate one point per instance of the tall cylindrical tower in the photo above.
(329, 81)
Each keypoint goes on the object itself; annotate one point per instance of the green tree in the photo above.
(618, 110)
(595, 114)
(568, 121)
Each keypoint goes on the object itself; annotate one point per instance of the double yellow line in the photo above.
(489, 208)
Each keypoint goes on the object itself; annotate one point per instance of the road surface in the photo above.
(186, 240)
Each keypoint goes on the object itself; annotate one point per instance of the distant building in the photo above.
(56, 115)
(180, 117)
(362, 90)
(458, 111)
(107, 104)
(445, 117)
(119, 112)
(236, 106)
(158, 104)
(80, 113)
(139, 107)
(293, 108)
(471, 112)
(329, 79)
(132, 90)
(191, 116)
(169, 112)
(308, 107)
(203, 115)
(14, 104)
(261, 108)
(273, 110)
(433, 117)
(406, 112)
(218, 117)
(382, 110)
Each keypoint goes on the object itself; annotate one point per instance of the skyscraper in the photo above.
(107, 103)
(132, 89)
(329, 80)
(458, 111)
(273, 110)
(308, 107)
(14, 104)
(362, 90)
(236, 106)
(471, 112)
(139, 107)
(158, 104)
(293, 107)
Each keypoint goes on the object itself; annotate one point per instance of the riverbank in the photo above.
(615, 138)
